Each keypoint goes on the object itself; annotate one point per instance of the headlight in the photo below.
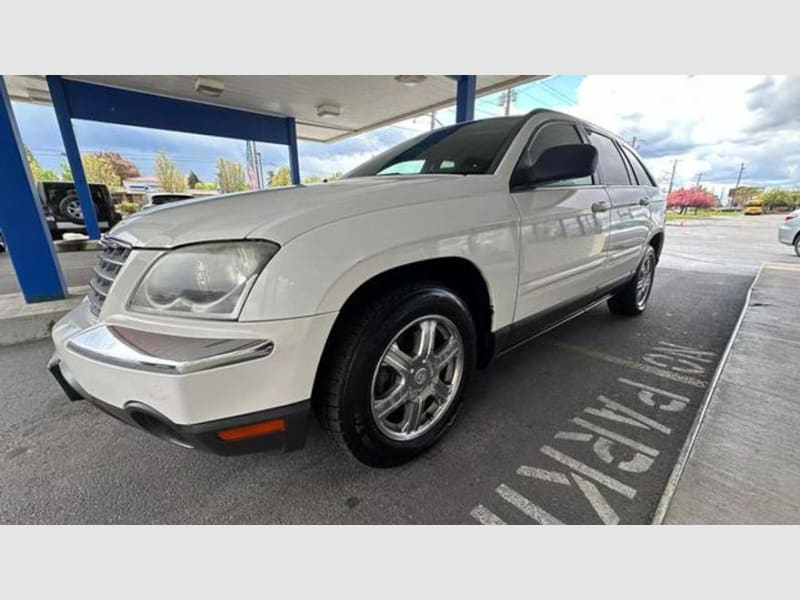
(208, 281)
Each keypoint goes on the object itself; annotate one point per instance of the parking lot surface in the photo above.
(76, 267)
(582, 425)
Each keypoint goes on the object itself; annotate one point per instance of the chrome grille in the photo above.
(108, 266)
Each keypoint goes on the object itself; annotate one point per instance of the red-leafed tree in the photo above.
(684, 199)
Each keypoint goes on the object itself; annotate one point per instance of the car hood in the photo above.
(284, 213)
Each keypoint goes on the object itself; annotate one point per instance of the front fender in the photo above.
(317, 272)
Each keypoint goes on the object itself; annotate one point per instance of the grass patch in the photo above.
(702, 214)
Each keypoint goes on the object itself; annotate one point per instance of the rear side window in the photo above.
(610, 160)
(553, 134)
(642, 176)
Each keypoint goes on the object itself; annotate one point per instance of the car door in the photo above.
(564, 230)
(629, 213)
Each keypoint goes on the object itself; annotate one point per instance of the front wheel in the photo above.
(392, 382)
(632, 298)
(797, 245)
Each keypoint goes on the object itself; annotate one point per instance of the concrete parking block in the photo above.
(21, 322)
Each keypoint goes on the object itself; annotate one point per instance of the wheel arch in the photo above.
(456, 273)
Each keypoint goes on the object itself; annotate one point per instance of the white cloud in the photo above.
(711, 123)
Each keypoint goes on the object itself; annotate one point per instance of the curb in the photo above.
(20, 322)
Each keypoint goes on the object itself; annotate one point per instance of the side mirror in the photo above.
(570, 161)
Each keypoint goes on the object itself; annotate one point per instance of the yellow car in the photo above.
(753, 208)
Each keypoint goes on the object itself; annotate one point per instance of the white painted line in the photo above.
(632, 413)
(544, 475)
(583, 469)
(534, 511)
(646, 396)
(574, 436)
(600, 505)
(644, 449)
(687, 349)
(485, 517)
(680, 465)
(632, 364)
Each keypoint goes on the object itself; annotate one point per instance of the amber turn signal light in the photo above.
(235, 434)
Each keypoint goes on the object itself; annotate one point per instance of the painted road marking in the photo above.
(616, 437)
(534, 511)
(575, 436)
(603, 439)
(642, 420)
(486, 517)
(632, 364)
(543, 474)
(583, 469)
(600, 505)
(677, 404)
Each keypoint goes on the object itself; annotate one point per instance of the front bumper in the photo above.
(185, 382)
(286, 425)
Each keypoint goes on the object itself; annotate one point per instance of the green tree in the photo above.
(776, 197)
(37, 172)
(66, 172)
(98, 169)
(192, 180)
(280, 178)
(170, 179)
(123, 168)
(334, 176)
(312, 179)
(230, 177)
(207, 185)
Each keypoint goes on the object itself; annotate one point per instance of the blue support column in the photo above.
(64, 118)
(465, 98)
(294, 160)
(21, 217)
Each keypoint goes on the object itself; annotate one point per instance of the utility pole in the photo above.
(506, 99)
(738, 181)
(633, 143)
(697, 184)
(433, 120)
(672, 177)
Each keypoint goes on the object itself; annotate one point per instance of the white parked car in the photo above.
(222, 324)
(789, 231)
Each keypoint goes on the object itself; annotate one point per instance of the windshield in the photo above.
(472, 148)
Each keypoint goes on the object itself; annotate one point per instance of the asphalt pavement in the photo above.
(582, 425)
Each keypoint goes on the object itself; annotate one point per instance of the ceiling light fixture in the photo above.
(329, 110)
(410, 80)
(208, 86)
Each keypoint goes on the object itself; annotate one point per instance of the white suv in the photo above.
(222, 323)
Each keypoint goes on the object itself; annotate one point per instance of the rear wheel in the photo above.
(391, 384)
(797, 245)
(632, 298)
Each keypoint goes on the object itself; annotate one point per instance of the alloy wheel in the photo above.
(417, 378)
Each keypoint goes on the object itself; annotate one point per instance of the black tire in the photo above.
(627, 300)
(797, 245)
(343, 391)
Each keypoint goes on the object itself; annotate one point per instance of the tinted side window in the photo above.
(553, 134)
(610, 160)
(641, 174)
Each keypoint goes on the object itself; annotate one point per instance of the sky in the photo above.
(710, 124)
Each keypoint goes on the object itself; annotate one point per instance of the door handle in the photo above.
(644, 201)
(601, 206)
